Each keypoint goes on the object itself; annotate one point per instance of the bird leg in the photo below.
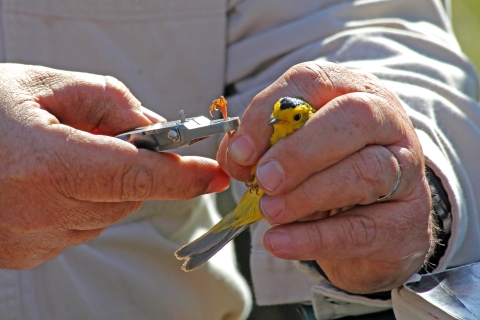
(252, 184)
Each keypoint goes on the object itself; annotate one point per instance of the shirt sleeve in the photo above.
(410, 46)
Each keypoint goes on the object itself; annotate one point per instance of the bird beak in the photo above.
(274, 121)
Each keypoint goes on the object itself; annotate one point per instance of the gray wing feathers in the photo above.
(202, 244)
(201, 250)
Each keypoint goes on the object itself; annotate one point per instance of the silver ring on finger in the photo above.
(397, 184)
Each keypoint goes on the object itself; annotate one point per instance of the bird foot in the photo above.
(252, 186)
(221, 105)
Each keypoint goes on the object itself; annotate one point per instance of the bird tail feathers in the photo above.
(202, 249)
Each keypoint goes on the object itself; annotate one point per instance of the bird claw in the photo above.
(254, 188)
(252, 185)
(221, 105)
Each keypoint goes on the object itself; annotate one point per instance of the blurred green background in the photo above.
(466, 25)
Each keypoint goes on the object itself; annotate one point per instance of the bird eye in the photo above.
(297, 117)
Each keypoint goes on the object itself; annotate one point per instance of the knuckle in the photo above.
(137, 183)
(359, 230)
(314, 241)
(323, 73)
(363, 112)
(369, 169)
(115, 88)
(116, 95)
(310, 77)
(112, 83)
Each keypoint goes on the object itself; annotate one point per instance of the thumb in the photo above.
(100, 168)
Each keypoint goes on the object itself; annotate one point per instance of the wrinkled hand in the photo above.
(60, 184)
(323, 181)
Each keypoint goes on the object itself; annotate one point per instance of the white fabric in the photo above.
(179, 55)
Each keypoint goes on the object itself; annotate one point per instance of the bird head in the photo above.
(290, 114)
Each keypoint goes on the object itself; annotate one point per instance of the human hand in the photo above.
(60, 184)
(322, 182)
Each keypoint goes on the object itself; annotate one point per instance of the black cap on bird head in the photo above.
(289, 102)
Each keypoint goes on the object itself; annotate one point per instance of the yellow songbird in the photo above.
(289, 114)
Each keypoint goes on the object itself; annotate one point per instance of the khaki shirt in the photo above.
(180, 55)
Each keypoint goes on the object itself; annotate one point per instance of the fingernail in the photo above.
(270, 175)
(241, 148)
(279, 240)
(271, 206)
(219, 184)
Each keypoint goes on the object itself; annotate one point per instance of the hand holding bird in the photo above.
(349, 154)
